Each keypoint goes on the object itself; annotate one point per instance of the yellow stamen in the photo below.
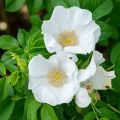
(57, 77)
(68, 38)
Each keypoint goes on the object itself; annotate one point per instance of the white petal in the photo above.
(35, 82)
(69, 67)
(101, 77)
(87, 42)
(55, 96)
(83, 17)
(38, 66)
(54, 60)
(67, 92)
(75, 49)
(84, 74)
(82, 98)
(90, 28)
(72, 56)
(98, 57)
(50, 28)
(60, 15)
(51, 44)
(44, 95)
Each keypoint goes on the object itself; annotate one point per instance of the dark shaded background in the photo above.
(14, 20)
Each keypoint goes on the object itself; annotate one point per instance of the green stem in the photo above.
(94, 112)
(95, 108)
(114, 109)
(110, 67)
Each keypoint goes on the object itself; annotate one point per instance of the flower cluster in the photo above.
(57, 80)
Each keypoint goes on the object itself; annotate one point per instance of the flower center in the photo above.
(57, 77)
(68, 38)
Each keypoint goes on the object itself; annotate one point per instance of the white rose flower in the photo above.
(82, 97)
(100, 78)
(70, 29)
(54, 80)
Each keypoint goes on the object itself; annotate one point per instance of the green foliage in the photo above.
(22, 37)
(84, 60)
(5, 90)
(32, 110)
(35, 21)
(14, 78)
(88, 4)
(115, 53)
(105, 30)
(6, 109)
(71, 3)
(47, 113)
(104, 112)
(2, 69)
(89, 116)
(13, 5)
(116, 84)
(8, 42)
(34, 5)
(104, 9)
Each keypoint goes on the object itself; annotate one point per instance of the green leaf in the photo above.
(117, 66)
(35, 44)
(50, 4)
(34, 5)
(103, 9)
(8, 42)
(89, 116)
(13, 5)
(115, 53)
(90, 4)
(106, 31)
(104, 112)
(6, 109)
(84, 60)
(103, 118)
(71, 3)
(2, 69)
(22, 37)
(14, 78)
(36, 21)
(6, 90)
(9, 62)
(47, 113)
(32, 110)
(116, 84)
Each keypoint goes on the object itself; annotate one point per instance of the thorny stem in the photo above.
(114, 109)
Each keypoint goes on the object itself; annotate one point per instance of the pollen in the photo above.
(57, 77)
(68, 38)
